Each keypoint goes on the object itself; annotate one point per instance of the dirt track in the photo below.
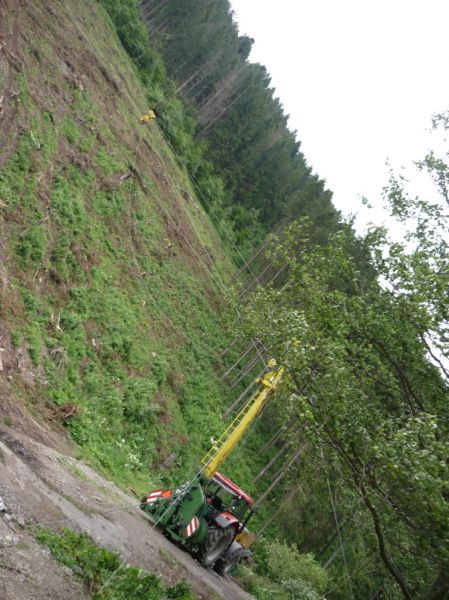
(40, 484)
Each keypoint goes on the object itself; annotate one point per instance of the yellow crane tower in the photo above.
(232, 435)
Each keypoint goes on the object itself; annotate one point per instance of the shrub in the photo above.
(298, 576)
(32, 245)
(103, 572)
(300, 590)
(285, 563)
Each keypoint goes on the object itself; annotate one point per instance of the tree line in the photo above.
(221, 114)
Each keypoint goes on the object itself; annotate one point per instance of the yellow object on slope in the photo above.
(148, 117)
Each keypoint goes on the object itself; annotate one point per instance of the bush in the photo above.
(281, 569)
(260, 587)
(298, 589)
(103, 572)
(286, 563)
(32, 246)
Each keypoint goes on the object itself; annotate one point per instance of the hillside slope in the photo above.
(101, 237)
(113, 303)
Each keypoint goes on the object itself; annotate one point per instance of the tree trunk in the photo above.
(187, 81)
(277, 478)
(209, 125)
(331, 540)
(271, 442)
(281, 506)
(226, 350)
(237, 402)
(241, 357)
(249, 261)
(268, 466)
(378, 593)
(330, 560)
(386, 559)
(255, 281)
(246, 370)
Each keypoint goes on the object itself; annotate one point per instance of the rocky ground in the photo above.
(42, 484)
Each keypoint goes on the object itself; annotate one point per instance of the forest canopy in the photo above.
(368, 387)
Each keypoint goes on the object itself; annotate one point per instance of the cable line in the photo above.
(334, 510)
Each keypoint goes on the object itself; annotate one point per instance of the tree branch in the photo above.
(389, 564)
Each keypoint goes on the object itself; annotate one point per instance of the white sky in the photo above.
(360, 80)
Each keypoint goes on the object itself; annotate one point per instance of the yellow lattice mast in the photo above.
(236, 430)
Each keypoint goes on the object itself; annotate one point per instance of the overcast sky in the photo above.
(360, 80)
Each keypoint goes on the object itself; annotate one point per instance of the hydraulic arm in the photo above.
(237, 429)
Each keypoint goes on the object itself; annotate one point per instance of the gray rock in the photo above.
(8, 541)
(20, 521)
(169, 461)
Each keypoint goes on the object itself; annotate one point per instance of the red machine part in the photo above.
(233, 487)
(225, 519)
(154, 496)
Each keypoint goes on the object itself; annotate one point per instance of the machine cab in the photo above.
(224, 495)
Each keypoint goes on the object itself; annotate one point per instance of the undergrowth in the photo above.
(281, 572)
(102, 572)
(117, 315)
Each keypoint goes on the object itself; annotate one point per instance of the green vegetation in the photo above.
(114, 298)
(177, 125)
(281, 571)
(109, 298)
(104, 575)
(236, 113)
(368, 388)
(114, 308)
(96, 273)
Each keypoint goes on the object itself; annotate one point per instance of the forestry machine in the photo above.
(208, 515)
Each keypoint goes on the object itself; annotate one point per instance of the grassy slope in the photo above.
(107, 285)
